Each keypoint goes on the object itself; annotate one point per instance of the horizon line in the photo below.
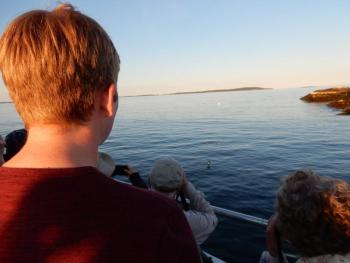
(252, 88)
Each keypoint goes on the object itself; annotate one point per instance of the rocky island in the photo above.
(338, 97)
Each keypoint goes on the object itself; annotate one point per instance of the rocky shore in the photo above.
(338, 98)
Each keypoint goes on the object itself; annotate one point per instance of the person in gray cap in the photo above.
(168, 178)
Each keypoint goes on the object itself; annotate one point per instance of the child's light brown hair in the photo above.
(54, 62)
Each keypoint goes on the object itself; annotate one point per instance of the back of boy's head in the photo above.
(54, 63)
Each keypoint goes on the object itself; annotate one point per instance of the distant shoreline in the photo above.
(189, 92)
(203, 91)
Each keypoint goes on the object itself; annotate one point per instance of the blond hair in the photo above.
(54, 62)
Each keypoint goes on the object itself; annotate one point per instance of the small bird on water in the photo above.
(209, 164)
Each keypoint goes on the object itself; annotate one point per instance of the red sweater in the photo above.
(80, 215)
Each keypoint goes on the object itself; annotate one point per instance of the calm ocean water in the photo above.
(252, 139)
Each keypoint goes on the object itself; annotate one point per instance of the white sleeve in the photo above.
(201, 216)
(267, 258)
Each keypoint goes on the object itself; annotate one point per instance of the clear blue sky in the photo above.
(186, 45)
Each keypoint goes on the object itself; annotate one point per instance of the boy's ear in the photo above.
(109, 100)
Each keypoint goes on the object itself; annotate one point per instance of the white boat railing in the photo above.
(238, 215)
(246, 218)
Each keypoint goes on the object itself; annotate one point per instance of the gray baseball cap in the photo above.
(166, 175)
(105, 164)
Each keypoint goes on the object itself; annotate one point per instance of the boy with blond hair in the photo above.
(61, 70)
